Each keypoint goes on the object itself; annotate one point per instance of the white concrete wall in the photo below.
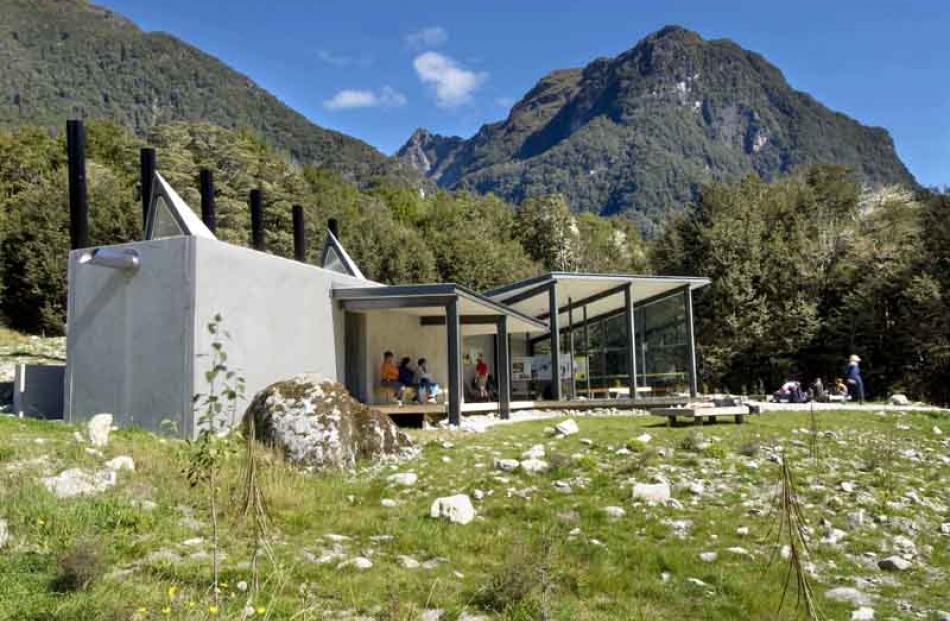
(279, 312)
(402, 334)
(129, 337)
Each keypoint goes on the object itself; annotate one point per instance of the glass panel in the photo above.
(665, 349)
(334, 262)
(616, 331)
(164, 223)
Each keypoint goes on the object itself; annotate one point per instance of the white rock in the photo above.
(241, 586)
(945, 528)
(644, 438)
(742, 531)
(534, 466)
(587, 442)
(899, 399)
(904, 545)
(389, 503)
(696, 488)
(506, 465)
(431, 614)
(738, 551)
(403, 479)
(535, 452)
(77, 482)
(457, 509)
(194, 541)
(937, 431)
(614, 511)
(847, 486)
(478, 494)
(862, 614)
(623, 450)
(848, 594)
(697, 582)
(407, 562)
(894, 563)
(122, 462)
(98, 429)
(651, 492)
(357, 562)
(4, 534)
(834, 536)
(567, 428)
(563, 486)
(336, 538)
(708, 557)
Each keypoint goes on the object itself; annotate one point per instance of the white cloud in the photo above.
(453, 84)
(348, 99)
(433, 36)
(343, 60)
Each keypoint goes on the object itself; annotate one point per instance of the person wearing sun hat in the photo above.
(853, 377)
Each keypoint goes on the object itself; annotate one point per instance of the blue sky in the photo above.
(378, 70)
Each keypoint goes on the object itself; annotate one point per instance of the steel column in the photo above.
(503, 368)
(300, 235)
(555, 328)
(206, 183)
(631, 340)
(78, 205)
(147, 165)
(454, 334)
(587, 348)
(570, 337)
(257, 220)
(691, 343)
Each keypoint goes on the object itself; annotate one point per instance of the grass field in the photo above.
(542, 546)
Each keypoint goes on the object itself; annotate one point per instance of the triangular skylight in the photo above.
(335, 258)
(170, 216)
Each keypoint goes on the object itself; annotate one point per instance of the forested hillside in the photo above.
(640, 133)
(70, 59)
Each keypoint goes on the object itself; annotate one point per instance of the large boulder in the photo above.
(319, 425)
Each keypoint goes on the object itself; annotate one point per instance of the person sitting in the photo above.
(407, 376)
(389, 376)
(428, 388)
(481, 377)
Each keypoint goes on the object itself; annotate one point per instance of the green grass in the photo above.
(518, 560)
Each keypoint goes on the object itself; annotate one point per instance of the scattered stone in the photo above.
(92, 451)
(194, 541)
(535, 452)
(696, 488)
(241, 586)
(615, 512)
(403, 479)
(856, 519)
(319, 425)
(697, 582)
(534, 466)
(587, 442)
(850, 595)
(738, 551)
(336, 538)
(4, 534)
(651, 492)
(122, 462)
(98, 429)
(894, 563)
(945, 528)
(78, 482)
(431, 614)
(506, 465)
(742, 531)
(847, 486)
(833, 536)
(644, 438)
(432, 563)
(862, 614)
(478, 494)
(389, 503)
(457, 509)
(357, 562)
(563, 486)
(899, 399)
(163, 555)
(937, 431)
(567, 428)
(708, 557)
(904, 545)
(407, 562)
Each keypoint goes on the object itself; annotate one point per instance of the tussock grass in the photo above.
(533, 553)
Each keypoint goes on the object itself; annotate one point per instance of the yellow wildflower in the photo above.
(167, 610)
(171, 591)
(213, 610)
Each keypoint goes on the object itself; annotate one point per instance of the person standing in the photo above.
(853, 377)
(481, 377)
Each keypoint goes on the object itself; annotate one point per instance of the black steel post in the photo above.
(454, 335)
(257, 221)
(78, 207)
(300, 236)
(628, 312)
(147, 166)
(334, 227)
(555, 327)
(503, 368)
(691, 343)
(570, 336)
(206, 184)
(587, 349)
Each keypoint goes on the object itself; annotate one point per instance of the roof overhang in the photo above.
(600, 293)
(479, 314)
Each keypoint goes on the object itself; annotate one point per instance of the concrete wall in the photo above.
(402, 334)
(129, 337)
(38, 390)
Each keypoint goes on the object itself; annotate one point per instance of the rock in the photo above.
(847, 486)
(78, 482)
(389, 503)
(431, 614)
(742, 531)
(945, 528)
(534, 466)
(194, 541)
(122, 462)
(904, 545)
(407, 562)
(696, 488)
(478, 494)
(894, 563)
(506, 465)
(357, 562)
(856, 519)
(403, 479)
(535, 452)
(98, 429)
(319, 425)
(465, 616)
(899, 399)
(697, 582)
(862, 614)
(587, 442)
(563, 486)
(738, 551)
(4, 534)
(850, 595)
(833, 536)
(651, 492)
(457, 509)
(937, 431)
(708, 557)
(644, 438)
(241, 586)
(566, 428)
(615, 512)
(943, 616)
(335, 538)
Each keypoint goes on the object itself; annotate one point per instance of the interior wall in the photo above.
(402, 334)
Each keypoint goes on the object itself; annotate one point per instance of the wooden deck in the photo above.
(437, 409)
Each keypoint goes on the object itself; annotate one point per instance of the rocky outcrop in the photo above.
(319, 425)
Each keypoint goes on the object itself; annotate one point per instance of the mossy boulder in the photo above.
(320, 426)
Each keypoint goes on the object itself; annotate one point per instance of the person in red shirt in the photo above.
(481, 377)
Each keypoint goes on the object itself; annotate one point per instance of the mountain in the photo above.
(68, 58)
(640, 133)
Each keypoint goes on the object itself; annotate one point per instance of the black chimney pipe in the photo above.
(334, 227)
(78, 206)
(257, 221)
(206, 183)
(300, 236)
(147, 165)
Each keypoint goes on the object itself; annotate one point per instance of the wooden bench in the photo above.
(387, 394)
(738, 412)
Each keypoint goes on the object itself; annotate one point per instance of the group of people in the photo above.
(405, 375)
(850, 385)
